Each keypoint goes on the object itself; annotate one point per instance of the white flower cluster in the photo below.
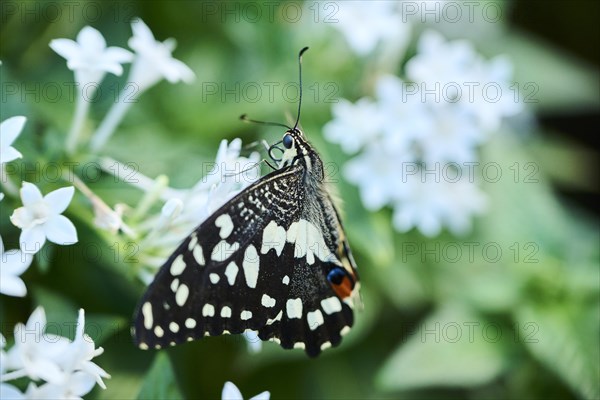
(415, 129)
(367, 24)
(39, 219)
(65, 366)
(182, 209)
(90, 59)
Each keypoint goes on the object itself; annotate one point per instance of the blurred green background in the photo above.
(518, 327)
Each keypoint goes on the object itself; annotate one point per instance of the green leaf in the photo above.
(44, 257)
(578, 84)
(454, 347)
(564, 340)
(61, 313)
(160, 381)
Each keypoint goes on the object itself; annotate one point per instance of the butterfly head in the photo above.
(297, 150)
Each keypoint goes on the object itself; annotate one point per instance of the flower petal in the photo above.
(30, 194)
(178, 71)
(231, 392)
(32, 239)
(91, 38)
(12, 286)
(81, 383)
(65, 48)
(141, 30)
(266, 395)
(118, 54)
(60, 230)
(15, 262)
(10, 130)
(59, 200)
(8, 154)
(9, 392)
(35, 323)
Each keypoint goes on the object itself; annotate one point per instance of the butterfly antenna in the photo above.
(245, 118)
(300, 82)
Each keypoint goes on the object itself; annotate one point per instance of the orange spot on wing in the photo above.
(344, 289)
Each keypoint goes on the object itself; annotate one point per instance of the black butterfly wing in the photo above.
(231, 274)
(319, 308)
(273, 259)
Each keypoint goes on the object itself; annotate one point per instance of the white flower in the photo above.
(80, 353)
(438, 61)
(89, 57)
(493, 99)
(231, 392)
(153, 60)
(405, 117)
(185, 209)
(451, 103)
(377, 171)
(431, 202)
(65, 366)
(36, 352)
(9, 392)
(453, 137)
(40, 218)
(230, 174)
(12, 265)
(460, 76)
(10, 129)
(2, 354)
(77, 385)
(366, 23)
(354, 125)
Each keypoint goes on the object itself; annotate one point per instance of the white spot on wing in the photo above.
(178, 265)
(223, 250)
(214, 278)
(345, 330)
(293, 308)
(286, 280)
(274, 237)
(143, 346)
(226, 224)
(309, 242)
(208, 310)
(173, 327)
(251, 265)
(198, 255)
(231, 272)
(277, 318)
(147, 313)
(314, 319)
(246, 315)
(267, 301)
(182, 294)
(226, 312)
(193, 242)
(331, 305)
(190, 323)
(325, 345)
(158, 331)
(299, 345)
(175, 285)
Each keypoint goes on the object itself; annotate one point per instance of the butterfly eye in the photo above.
(336, 275)
(288, 141)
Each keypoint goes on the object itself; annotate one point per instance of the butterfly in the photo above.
(273, 259)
